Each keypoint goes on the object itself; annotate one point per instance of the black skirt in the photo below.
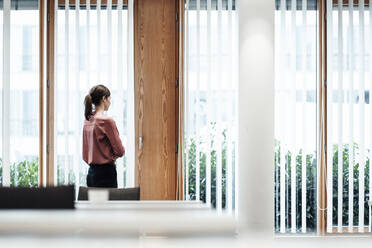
(102, 175)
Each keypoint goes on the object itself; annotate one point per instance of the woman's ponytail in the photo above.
(95, 97)
(88, 107)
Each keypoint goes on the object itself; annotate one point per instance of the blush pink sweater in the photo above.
(101, 141)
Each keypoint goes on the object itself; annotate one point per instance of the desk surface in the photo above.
(144, 205)
(119, 218)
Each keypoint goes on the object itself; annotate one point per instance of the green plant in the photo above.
(24, 173)
(311, 206)
(345, 185)
(311, 167)
(191, 162)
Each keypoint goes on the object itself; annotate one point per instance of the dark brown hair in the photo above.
(95, 97)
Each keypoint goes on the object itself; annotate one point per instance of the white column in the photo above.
(256, 124)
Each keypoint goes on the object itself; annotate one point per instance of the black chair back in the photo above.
(61, 197)
(114, 194)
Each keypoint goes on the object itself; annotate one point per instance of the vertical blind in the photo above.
(19, 86)
(93, 45)
(295, 116)
(349, 115)
(211, 84)
(349, 91)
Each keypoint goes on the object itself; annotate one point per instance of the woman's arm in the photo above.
(113, 136)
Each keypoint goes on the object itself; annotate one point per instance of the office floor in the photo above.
(245, 239)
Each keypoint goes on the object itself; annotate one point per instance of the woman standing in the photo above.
(101, 141)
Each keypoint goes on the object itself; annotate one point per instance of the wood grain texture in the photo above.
(322, 117)
(50, 95)
(155, 103)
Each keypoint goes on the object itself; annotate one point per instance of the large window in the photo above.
(19, 86)
(211, 77)
(91, 48)
(349, 140)
(295, 116)
(338, 119)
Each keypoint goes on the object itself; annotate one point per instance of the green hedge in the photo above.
(311, 184)
(191, 162)
(24, 173)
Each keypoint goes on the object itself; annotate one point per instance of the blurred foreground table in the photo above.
(120, 218)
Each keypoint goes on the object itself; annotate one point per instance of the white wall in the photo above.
(256, 114)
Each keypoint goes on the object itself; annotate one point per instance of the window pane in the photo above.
(211, 59)
(24, 95)
(295, 116)
(349, 114)
(84, 60)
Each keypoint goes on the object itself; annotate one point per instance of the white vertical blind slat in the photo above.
(293, 124)
(351, 117)
(109, 40)
(67, 97)
(208, 150)
(6, 95)
(218, 138)
(329, 116)
(339, 121)
(99, 55)
(362, 113)
(130, 97)
(303, 180)
(236, 109)
(78, 112)
(120, 79)
(282, 146)
(197, 104)
(187, 105)
(56, 73)
(230, 124)
(88, 43)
